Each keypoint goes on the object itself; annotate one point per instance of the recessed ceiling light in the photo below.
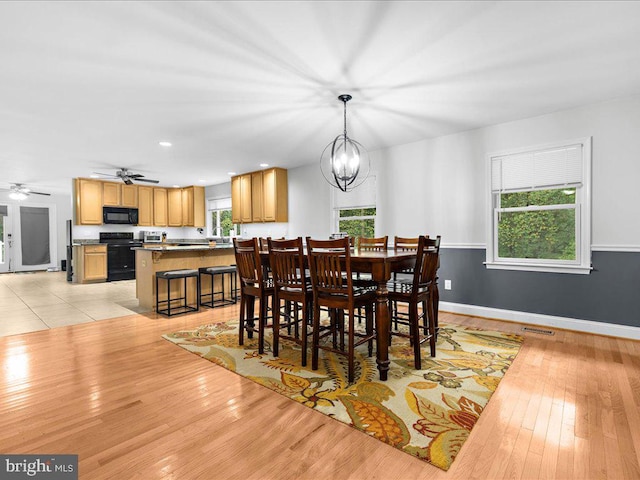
(93, 175)
(264, 165)
(176, 186)
(164, 144)
(202, 181)
(231, 173)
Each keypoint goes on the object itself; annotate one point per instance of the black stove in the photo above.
(121, 260)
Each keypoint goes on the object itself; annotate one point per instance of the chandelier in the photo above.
(344, 162)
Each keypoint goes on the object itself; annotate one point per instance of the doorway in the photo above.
(28, 237)
(5, 240)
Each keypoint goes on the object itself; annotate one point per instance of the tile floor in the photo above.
(41, 300)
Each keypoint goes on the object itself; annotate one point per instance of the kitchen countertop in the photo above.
(172, 248)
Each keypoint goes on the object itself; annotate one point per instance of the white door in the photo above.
(22, 258)
(6, 243)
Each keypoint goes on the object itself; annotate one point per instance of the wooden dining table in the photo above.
(380, 265)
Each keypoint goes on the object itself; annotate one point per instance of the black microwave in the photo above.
(128, 216)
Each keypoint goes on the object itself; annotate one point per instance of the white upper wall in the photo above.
(437, 186)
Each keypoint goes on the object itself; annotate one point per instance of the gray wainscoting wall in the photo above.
(610, 293)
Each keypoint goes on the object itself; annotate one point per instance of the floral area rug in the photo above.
(427, 413)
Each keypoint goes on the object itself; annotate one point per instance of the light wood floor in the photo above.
(133, 405)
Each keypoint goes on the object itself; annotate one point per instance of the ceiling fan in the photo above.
(19, 192)
(128, 177)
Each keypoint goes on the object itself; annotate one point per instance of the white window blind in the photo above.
(220, 204)
(554, 167)
(362, 196)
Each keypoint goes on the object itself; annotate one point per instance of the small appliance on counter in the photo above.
(151, 237)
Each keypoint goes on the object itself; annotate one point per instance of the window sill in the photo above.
(550, 268)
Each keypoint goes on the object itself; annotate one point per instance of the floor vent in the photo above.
(538, 330)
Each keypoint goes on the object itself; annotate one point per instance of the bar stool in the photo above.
(169, 275)
(222, 271)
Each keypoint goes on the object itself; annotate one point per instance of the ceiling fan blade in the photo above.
(135, 175)
(39, 193)
(127, 180)
(146, 180)
(106, 175)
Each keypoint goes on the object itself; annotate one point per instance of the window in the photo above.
(355, 211)
(357, 222)
(540, 212)
(219, 222)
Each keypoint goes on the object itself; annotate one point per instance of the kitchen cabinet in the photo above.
(193, 207)
(88, 202)
(129, 196)
(256, 197)
(174, 207)
(241, 199)
(236, 202)
(260, 196)
(93, 264)
(116, 194)
(110, 194)
(160, 207)
(145, 206)
(275, 206)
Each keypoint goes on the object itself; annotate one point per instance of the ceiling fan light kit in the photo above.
(17, 191)
(344, 162)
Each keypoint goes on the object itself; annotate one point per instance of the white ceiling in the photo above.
(93, 86)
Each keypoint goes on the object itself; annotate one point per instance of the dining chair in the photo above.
(253, 285)
(333, 288)
(293, 287)
(378, 244)
(419, 297)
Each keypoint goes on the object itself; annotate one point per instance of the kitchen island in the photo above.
(152, 259)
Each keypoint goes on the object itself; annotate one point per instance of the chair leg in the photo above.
(432, 328)
(316, 336)
(243, 301)
(276, 326)
(425, 317)
(415, 334)
(391, 318)
(250, 306)
(262, 315)
(369, 318)
(303, 329)
(435, 300)
(351, 353)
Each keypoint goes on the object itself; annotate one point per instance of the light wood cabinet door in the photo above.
(199, 207)
(95, 262)
(160, 207)
(145, 206)
(275, 195)
(111, 194)
(236, 199)
(193, 207)
(256, 197)
(88, 202)
(174, 201)
(129, 196)
(245, 199)
(187, 207)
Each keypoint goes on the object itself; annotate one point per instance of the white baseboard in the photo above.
(599, 328)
